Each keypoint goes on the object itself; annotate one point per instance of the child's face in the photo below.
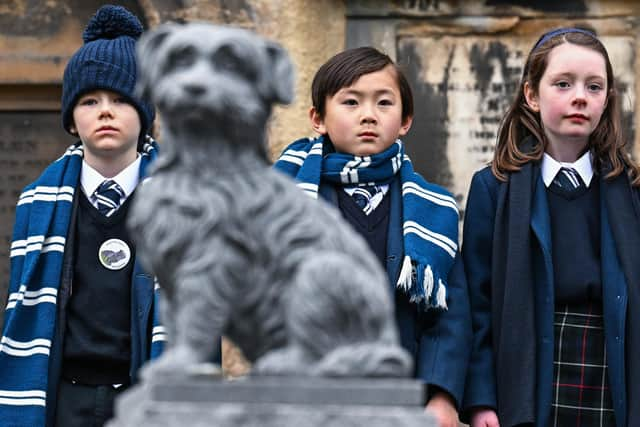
(107, 125)
(366, 117)
(571, 97)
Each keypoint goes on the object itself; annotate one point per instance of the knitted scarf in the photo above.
(43, 214)
(429, 213)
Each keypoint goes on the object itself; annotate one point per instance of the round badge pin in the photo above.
(114, 254)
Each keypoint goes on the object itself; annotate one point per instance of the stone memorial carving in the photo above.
(239, 249)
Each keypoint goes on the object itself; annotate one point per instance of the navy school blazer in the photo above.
(439, 342)
(142, 295)
(477, 252)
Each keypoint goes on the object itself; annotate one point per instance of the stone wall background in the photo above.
(463, 59)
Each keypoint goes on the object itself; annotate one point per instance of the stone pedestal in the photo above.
(273, 402)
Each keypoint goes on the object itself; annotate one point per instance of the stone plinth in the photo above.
(273, 401)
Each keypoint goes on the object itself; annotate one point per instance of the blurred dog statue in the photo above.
(238, 249)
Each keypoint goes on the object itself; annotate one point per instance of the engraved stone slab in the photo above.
(464, 85)
(272, 401)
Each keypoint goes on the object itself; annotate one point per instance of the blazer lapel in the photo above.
(625, 225)
(540, 222)
(395, 238)
(614, 303)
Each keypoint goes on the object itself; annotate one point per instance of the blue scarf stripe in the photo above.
(25, 343)
(26, 305)
(41, 225)
(295, 155)
(72, 150)
(159, 336)
(299, 157)
(396, 163)
(37, 243)
(436, 238)
(30, 298)
(47, 194)
(310, 190)
(25, 348)
(298, 160)
(356, 170)
(410, 188)
(430, 213)
(22, 398)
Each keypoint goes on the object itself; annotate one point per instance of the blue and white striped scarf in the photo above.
(430, 213)
(43, 214)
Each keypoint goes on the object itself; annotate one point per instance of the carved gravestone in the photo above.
(241, 251)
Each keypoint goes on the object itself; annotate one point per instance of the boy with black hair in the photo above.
(362, 104)
(81, 314)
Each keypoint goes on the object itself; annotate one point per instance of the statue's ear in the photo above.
(147, 52)
(283, 75)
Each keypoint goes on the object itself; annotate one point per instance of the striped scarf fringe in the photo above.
(430, 213)
(43, 214)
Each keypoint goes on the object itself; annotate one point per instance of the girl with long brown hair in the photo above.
(551, 239)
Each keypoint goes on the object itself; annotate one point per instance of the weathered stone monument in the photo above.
(258, 401)
(240, 251)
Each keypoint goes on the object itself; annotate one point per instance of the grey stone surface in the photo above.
(273, 402)
(239, 250)
(292, 390)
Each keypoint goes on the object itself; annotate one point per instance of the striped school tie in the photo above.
(107, 197)
(363, 197)
(568, 180)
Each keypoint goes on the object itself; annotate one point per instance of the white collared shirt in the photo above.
(127, 179)
(583, 166)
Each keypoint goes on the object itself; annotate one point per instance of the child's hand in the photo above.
(442, 407)
(484, 418)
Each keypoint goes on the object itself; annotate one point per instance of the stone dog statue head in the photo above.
(237, 248)
(220, 80)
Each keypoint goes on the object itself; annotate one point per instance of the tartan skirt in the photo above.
(581, 393)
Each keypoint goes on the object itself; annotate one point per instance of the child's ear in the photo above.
(406, 125)
(531, 97)
(73, 130)
(317, 123)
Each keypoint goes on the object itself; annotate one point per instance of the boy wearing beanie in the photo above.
(81, 315)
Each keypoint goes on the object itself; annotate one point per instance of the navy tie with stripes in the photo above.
(363, 195)
(107, 197)
(568, 180)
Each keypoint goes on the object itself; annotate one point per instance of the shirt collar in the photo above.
(550, 168)
(127, 179)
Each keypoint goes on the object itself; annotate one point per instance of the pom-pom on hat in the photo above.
(107, 60)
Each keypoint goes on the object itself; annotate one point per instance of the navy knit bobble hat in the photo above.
(107, 60)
